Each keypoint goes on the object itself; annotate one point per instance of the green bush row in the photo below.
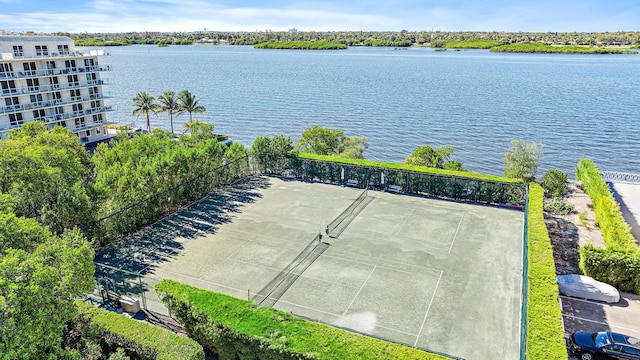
(618, 268)
(545, 337)
(397, 166)
(144, 340)
(237, 329)
(564, 49)
(301, 45)
(615, 230)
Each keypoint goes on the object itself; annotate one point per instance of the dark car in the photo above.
(603, 345)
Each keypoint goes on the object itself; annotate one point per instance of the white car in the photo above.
(585, 287)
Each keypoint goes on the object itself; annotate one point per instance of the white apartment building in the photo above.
(44, 78)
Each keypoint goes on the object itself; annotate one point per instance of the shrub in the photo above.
(554, 182)
(618, 268)
(146, 341)
(559, 207)
(615, 230)
(237, 329)
(545, 338)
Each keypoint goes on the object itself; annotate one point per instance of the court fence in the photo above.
(112, 282)
(406, 181)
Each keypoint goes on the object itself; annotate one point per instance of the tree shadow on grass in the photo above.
(143, 250)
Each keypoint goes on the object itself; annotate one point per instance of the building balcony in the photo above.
(50, 103)
(51, 55)
(50, 88)
(26, 74)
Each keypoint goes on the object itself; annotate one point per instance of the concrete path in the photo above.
(628, 196)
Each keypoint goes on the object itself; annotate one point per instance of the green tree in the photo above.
(170, 104)
(434, 158)
(39, 280)
(189, 103)
(324, 141)
(144, 104)
(554, 182)
(49, 175)
(269, 152)
(199, 131)
(522, 160)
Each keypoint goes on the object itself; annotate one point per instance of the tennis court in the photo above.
(440, 275)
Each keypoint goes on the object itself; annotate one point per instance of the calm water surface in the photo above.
(475, 101)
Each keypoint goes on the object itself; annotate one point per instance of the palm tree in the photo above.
(189, 126)
(144, 104)
(169, 103)
(189, 103)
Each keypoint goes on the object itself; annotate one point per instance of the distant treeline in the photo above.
(551, 49)
(359, 38)
(301, 45)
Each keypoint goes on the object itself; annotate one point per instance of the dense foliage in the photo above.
(619, 263)
(465, 44)
(434, 158)
(301, 45)
(522, 160)
(558, 49)
(357, 38)
(554, 182)
(545, 336)
(616, 267)
(269, 153)
(615, 231)
(323, 141)
(235, 328)
(111, 332)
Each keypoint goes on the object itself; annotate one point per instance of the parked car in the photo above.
(585, 287)
(603, 345)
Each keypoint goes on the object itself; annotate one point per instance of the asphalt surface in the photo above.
(628, 197)
(594, 316)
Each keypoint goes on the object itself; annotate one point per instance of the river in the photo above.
(476, 101)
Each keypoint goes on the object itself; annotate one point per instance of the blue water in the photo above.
(475, 101)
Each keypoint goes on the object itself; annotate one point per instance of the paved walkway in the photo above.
(628, 196)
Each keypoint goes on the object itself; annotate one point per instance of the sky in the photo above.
(331, 15)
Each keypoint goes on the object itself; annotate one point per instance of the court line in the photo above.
(358, 293)
(378, 265)
(428, 308)
(350, 258)
(456, 233)
(395, 236)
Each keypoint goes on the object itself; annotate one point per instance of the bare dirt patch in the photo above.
(569, 232)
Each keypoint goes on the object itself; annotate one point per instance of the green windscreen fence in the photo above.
(411, 182)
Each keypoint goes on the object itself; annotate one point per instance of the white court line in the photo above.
(372, 264)
(350, 256)
(428, 308)
(456, 233)
(358, 293)
(395, 236)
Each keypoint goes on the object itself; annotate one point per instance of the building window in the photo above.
(79, 122)
(88, 133)
(62, 123)
(17, 50)
(35, 99)
(15, 119)
(70, 65)
(63, 49)
(77, 108)
(29, 68)
(54, 82)
(75, 94)
(8, 87)
(97, 119)
(95, 104)
(89, 64)
(6, 70)
(33, 84)
(57, 97)
(39, 115)
(41, 50)
(97, 130)
(73, 80)
(12, 101)
(91, 78)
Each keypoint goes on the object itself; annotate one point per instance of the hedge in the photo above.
(618, 268)
(615, 231)
(237, 329)
(144, 340)
(388, 165)
(545, 337)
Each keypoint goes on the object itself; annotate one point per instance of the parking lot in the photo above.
(592, 316)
